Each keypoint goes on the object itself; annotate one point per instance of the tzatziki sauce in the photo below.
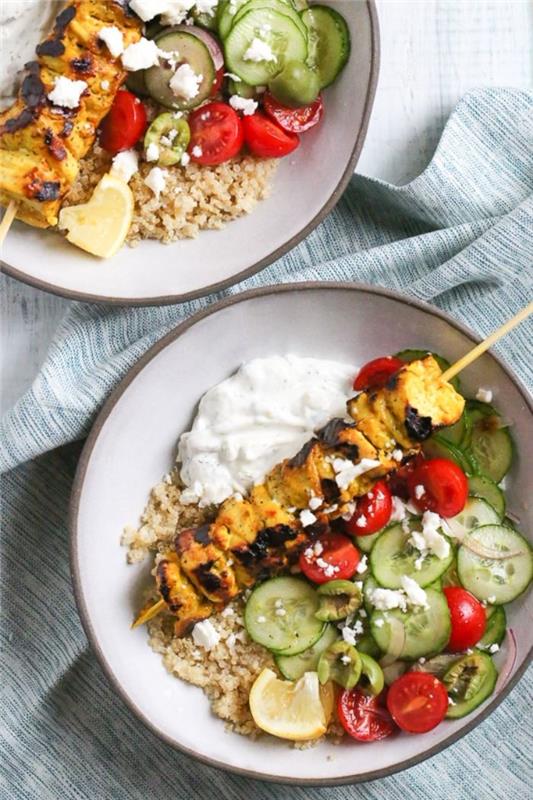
(259, 416)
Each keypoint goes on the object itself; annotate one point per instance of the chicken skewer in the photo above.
(263, 534)
(42, 136)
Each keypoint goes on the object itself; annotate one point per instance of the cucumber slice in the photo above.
(284, 37)
(191, 50)
(450, 577)
(469, 682)
(495, 628)
(495, 580)
(393, 557)
(412, 354)
(477, 512)
(492, 448)
(369, 584)
(437, 447)
(455, 434)
(293, 667)
(290, 633)
(481, 486)
(205, 20)
(329, 42)
(366, 543)
(282, 6)
(226, 13)
(427, 630)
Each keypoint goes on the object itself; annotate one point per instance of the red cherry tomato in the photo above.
(372, 511)
(217, 83)
(444, 484)
(363, 716)
(467, 616)
(376, 373)
(398, 481)
(333, 556)
(124, 125)
(417, 702)
(294, 120)
(266, 139)
(217, 130)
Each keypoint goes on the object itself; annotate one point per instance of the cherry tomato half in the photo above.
(398, 481)
(372, 511)
(266, 139)
(467, 616)
(125, 124)
(417, 702)
(363, 716)
(216, 129)
(376, 373)
(444, 487)
(333, 556)
(294, 120)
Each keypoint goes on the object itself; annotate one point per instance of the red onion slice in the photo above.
(397, 641)
(208, 39)
(488, 552)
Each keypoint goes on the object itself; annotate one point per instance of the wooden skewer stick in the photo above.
(9, 216)
(467, 359)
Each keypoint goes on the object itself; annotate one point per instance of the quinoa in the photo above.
(227, 671)
(195, 197)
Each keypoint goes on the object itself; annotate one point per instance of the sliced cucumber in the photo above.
(450, 577)
(329, 42)
(437, 447)
(285, 633)
(393, 556)
(293, 667)
(369, 584)
(481, 486)
(226, 13)
(477, 512)
(469, 682)
(492, 448)
(455, 434)
(191, 50)
(495, 563)
(205, 20)
(495, 628)
(366, 543)
(426, 631)
(281, 6)
(284, 37)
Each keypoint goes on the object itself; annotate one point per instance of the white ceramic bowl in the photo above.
(306, 187)
(133, 444)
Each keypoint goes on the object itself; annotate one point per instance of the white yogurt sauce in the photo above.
(23, 24)
(256, 418)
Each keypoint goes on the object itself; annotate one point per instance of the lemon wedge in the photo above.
(286, 709)
(100, 226)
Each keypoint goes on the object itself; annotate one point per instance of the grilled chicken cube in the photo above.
(41, 144)
(179, 594)
(206, 565)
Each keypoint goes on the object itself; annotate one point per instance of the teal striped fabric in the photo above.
(459, 236)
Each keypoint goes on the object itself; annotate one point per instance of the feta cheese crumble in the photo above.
(361, 521)
(104, 85)
(113, 38)
(125, 165)
(415, 594)
(67, 93)
(315, 503)
(484, 395)
(197, 151)
(261, 619)
(248, 107)
(173, 11)
(141, 55)
(185, 82)
(419, 491)
(152, 152)
(387, 599)
(156, 180)
(494, 648)
(259, 51)
(346, 659)
(361, 567)
(429, 540)
(185, 160)
(206, 7)
(346, 471)
(307, 517)
(205, 635)
(397, 455)
(398, 509)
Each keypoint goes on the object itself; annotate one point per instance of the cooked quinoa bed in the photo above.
(195, 197)
(227, 672)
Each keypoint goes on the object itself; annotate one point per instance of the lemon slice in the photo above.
(286, 709)
(100, 226)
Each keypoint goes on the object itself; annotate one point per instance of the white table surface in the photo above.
(432, 52)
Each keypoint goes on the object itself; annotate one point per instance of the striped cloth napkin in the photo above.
(460, 236)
